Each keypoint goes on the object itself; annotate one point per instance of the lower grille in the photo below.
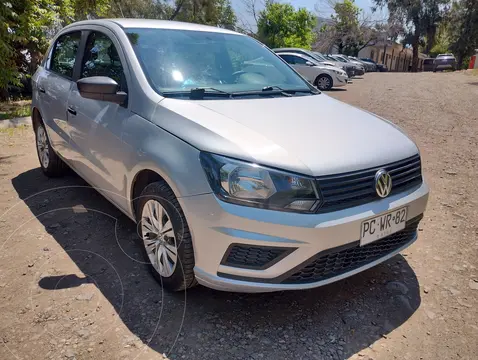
(254, 257)
(337, 261)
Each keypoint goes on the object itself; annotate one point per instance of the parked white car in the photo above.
(323, 76)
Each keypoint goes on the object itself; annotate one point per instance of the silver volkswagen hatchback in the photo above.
(240, 174)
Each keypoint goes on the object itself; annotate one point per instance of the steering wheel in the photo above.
(235, 75)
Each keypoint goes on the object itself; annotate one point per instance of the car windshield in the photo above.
(180, 60)
(327, 57)
(319, 56)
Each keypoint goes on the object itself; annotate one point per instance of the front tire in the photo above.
(167, 244)
(324, 82)
(50, 162)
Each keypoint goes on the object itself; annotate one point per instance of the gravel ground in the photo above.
(72, 284)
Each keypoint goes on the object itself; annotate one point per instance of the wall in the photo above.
(397, 58)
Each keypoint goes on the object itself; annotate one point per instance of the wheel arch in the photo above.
(36, 118)
(142, 178)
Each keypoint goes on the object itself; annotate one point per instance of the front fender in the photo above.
(153, 148)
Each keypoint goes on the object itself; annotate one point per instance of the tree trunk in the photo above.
(391, 59)
(384, 52)
(341, 47)
(459, 61)
(416, 40)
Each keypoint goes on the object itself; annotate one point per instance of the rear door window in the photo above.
(289, 59)
(64, 54)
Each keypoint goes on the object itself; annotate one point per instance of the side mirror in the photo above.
(101, 88)
(308, 63)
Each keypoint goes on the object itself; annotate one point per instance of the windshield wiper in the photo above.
(274, 90)
(198, 93)
(281, 90)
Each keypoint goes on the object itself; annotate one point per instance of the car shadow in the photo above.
(334, 321)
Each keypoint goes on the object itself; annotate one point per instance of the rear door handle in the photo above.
(71, 110)
(41, 89)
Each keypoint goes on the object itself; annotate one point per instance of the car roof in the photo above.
(304, 56)
(154, 24)
(291, 49)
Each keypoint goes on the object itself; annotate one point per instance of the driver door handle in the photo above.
(41, 89)
(71, 110)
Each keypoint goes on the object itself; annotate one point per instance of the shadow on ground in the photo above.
(333, 321)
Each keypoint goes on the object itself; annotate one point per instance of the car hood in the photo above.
(339, 64)
(313, 135)
(329, 63)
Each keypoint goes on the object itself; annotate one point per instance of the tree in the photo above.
(22, 36)
(346, 24)
(280, 25)
(420, 16)
(209, 12)
(350, 30)
(464, 32)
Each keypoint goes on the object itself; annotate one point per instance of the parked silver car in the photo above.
(240, 174)
(359, 68)
(349, 69)
(444, 62)
(323, 76)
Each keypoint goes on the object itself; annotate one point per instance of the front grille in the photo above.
(254, 257)
(336, 261)
(356, 188)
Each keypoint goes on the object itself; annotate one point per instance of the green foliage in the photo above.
(346, 18)
(464, 31)
(280, 25)
(442, 40)
(209, 12)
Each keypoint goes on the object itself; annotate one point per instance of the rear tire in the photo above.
(324, 82)
(167, 243)
(50, 162)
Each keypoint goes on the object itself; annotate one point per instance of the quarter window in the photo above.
(64, 54)
(101, 59)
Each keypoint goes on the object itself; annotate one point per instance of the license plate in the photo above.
(383, 225)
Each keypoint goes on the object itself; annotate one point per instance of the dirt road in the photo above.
(72, 284)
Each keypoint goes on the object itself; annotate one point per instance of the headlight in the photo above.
(339, 72)
(249, 184)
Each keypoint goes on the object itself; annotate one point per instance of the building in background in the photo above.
(394, 55)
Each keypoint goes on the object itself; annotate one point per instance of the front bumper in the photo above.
(340, 80)
(216, 225)
(359, 71)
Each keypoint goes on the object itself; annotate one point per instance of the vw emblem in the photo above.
(383, 183)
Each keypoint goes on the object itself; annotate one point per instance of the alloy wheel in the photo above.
(159, 238)
(42, 147)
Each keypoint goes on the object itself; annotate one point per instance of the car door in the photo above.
(95, 126)
(54, 86)
(290, 59)
(305, 67)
